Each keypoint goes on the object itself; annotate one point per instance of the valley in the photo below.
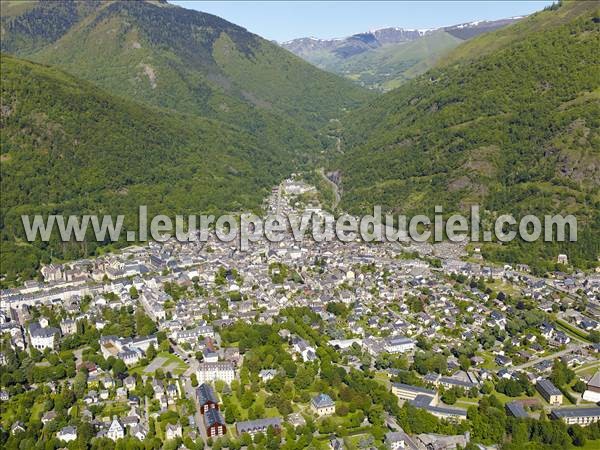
(275, 337)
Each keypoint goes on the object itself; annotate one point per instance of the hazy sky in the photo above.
(283, 21)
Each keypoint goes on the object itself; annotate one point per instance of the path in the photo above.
(334, 187)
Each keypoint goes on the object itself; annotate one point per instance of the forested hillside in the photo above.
(252, 114)
(185, 60)
(71, 148)
(516, 129)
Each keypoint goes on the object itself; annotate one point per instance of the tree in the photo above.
(245, 439)
(165, 346)
(151, 352)
(304, 377)
(449, 396)
(579, 386)
(341, 410)
(80, 383)
(577, 435)
(561, 374)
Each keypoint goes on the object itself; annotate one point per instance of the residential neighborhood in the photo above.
(296, 345)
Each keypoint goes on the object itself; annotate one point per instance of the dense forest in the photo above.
(71, 148)
(187, 113)
(515, 130)
(185, 60)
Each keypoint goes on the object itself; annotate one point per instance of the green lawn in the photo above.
(587, 369)
(170, 359)
(591, 445)
(506, 399)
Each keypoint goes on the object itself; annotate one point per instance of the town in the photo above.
(299, 345)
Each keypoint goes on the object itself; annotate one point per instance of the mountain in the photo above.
(385, 58)
(351, 45)
(69, 147)
(143, 102)
(515, 128)
(180, 59)
(389, 66)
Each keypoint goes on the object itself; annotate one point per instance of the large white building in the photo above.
(398, 344)
(43, 337)
(213, 371)
(579, 416)
(130, 350)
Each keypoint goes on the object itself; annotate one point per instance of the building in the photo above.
(296, 420)
(408, 392)
(579, 416)
(67, 434)
(399, 440)
(258, 426)
(129, 350)
(17, 427)
(194, 335)
(516, 409)
(450, 382)
(323, 405)
(592, 392)
(68, 326)
(43, 337)
(442, 441)
(173, 431)
(213, 371)
(116, 430)
(398, 344)
(307, 352)
(214, 423)
(129, 383)
(267, 374)
(138, 431)
(49, 417)
(428, 403)
(550, 392)
(207, 398)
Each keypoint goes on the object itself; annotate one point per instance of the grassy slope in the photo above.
(69, 147)
(488, 43)
(26, 27)
(516, 129)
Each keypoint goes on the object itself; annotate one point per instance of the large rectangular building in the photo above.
(550, 392)
(213, 371)
(214, 423)
(579, 416)
(516, 409)
(409, 392)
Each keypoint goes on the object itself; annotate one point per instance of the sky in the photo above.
(282, 21)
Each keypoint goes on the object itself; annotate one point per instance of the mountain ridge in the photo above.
(172, 57)
(69, 147)
(514, 129)
(384, 58)
(254, 111)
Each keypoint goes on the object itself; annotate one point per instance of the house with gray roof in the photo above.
(253, 427)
